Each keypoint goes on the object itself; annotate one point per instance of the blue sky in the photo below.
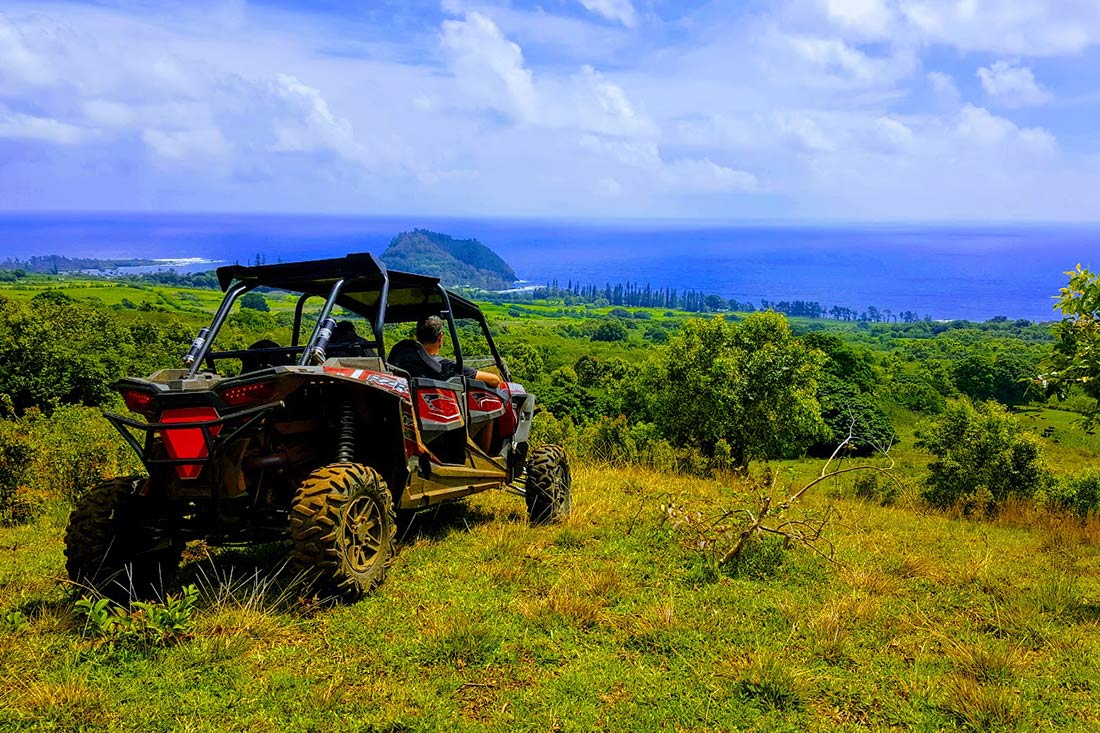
(875, 110)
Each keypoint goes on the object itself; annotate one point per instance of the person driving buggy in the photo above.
(429, 338)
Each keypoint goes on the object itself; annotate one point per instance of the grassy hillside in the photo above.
(605, 623)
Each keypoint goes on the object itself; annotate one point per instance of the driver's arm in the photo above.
(489, 378)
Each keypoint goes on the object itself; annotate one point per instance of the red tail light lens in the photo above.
(138, 400)
(184, 443)
(248, 394)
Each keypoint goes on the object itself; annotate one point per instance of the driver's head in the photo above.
(429, 330)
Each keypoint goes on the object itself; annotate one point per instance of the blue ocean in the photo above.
(943, 271)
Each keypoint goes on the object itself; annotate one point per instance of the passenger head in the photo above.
(428, 330)
(344, 331)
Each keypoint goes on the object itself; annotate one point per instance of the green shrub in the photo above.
(76, 449)
(548, 429)
(1079, 494)
(17, 504)
(981, 457)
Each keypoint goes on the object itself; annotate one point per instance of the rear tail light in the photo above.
(188, 443)
(249, 394)
(137, 400)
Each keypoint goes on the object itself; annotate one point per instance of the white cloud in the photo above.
(489, 67)
(706, 176)
(29, 127)
(805, 133)
(187, 144)
(981, 126)
(18, 65)
(619, 11)
(944, 86)
(311, 126)
(1022, 27)
(1012, 85)
(869, 18)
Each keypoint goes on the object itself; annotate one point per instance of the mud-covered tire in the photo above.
(342, 524)
(108, 545)
(549, 487)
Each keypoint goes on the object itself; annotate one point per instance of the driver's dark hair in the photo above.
(429, 329)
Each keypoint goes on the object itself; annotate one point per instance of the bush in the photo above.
(982, 456)
(255, 301)
(76, 449)
(1079, 494)
(16, 453)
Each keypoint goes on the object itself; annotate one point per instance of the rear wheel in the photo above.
(549, 488)
(342, 524)
(111, 546)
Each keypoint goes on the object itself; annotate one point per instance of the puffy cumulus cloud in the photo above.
(812, 61)
(489, 67)
(156, 91)
(1020, 27)
(985, 128)
(1009, 84)
(867, 18)
(619, 11)
(308, 125)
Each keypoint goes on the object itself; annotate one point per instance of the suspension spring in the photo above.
(345, 438)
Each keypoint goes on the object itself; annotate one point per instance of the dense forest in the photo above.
(653, 385)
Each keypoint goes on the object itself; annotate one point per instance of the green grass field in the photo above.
(607, 622)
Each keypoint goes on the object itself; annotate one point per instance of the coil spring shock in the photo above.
(345, 438)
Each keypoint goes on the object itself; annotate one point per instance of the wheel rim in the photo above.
(363, 534)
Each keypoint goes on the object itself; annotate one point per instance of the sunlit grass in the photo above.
(603, 623)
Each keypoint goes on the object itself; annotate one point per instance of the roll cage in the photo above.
(359, 283)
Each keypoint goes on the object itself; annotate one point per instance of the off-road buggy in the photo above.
(321, 442)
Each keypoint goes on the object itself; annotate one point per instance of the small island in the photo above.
(456, 262)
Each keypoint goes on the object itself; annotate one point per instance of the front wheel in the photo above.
(342, 524)
(549, 488)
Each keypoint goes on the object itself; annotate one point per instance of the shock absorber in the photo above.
(345, 437)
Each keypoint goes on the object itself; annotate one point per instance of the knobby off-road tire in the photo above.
(549, 488)
(109, 545)
(342, 524)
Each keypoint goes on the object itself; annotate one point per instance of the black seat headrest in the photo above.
(411, 356)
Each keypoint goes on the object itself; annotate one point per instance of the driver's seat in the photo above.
(410, 356)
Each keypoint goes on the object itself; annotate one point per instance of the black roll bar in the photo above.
(231, 296)
(330, 303)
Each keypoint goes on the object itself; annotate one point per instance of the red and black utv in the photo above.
(322, 441)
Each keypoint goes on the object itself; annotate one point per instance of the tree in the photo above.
(54, 350)
(255, 301)
(981, 457)
(1002, 377)
(750, 384)
(612, 330)
(1076, 356)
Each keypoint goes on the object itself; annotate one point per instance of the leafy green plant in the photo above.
(752, 384)
(981, 456)
(14, 620)
(156, 622)
(1075, 360)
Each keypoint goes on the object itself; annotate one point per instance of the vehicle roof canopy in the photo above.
(410, 296)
